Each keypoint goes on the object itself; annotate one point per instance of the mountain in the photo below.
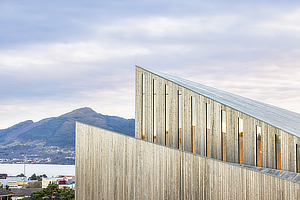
(60, 131)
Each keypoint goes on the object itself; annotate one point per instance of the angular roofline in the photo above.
(291, 125)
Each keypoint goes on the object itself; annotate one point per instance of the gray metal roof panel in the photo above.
(280, 118)
(293, 176)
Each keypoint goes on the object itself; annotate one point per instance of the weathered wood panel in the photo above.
(115, 166)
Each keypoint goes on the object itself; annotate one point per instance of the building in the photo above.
(24, 192)
(47, 181)
(196, 118)
(192, 142)
(14, 182)
(63, 181)
(5, 193)
(3, 176)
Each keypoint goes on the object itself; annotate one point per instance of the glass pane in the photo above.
(241, 127)
(193, 112)
(167, 113)
(278, 151)
(208, 116)
(223, 127)
(208, 147)
(179, 121)
(241, 133)
(298, 157)
(154, 109)
(223, 121)
(258, 146)
(143, 106)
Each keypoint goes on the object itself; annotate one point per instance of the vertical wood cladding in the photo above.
(208, 142)
(116, 166)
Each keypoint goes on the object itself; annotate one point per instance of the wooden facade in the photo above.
(186, 146)
(235, 146)
(115, 166)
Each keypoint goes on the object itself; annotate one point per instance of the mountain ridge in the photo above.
(60, 131)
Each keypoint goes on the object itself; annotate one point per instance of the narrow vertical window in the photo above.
(223, 129)
(154, 110)
(241, 134)
(298, 157)
(167, 113)
(258, 146)
(278, 151)
(193, 113)
(179, 121)
(208, 148)
(143, 106)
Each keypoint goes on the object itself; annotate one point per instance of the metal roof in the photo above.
(280, 118)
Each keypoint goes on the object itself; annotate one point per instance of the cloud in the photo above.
(56, 56)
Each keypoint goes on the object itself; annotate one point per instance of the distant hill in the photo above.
(60, 131)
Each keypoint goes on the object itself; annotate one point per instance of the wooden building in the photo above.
(196, 118)
(191, 142)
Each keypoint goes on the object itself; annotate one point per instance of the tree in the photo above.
(66, 193)
(21, 175)
(36, 184)
(33, 177)
(44, 176)
(39, 178)
(53, 192)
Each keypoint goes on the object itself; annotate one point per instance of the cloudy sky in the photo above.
(57, 56)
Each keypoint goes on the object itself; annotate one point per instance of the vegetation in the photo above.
(35, 177)
(36, 184)
(21, 175)
(53, 192)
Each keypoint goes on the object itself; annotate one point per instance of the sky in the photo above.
(57, 56)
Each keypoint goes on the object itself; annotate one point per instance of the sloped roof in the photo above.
(280, 118)
(4, 193)
(24, 191)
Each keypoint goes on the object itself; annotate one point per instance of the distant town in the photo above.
(37, 187)
(46, 155)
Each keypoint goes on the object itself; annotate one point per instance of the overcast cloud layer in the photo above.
(57, 56)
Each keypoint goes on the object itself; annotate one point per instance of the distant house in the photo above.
(3, 176)
(47, 181)
(24, 192)
(5, 193)
(14, 182)
(67, 181)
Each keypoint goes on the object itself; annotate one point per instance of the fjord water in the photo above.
(38, 169)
